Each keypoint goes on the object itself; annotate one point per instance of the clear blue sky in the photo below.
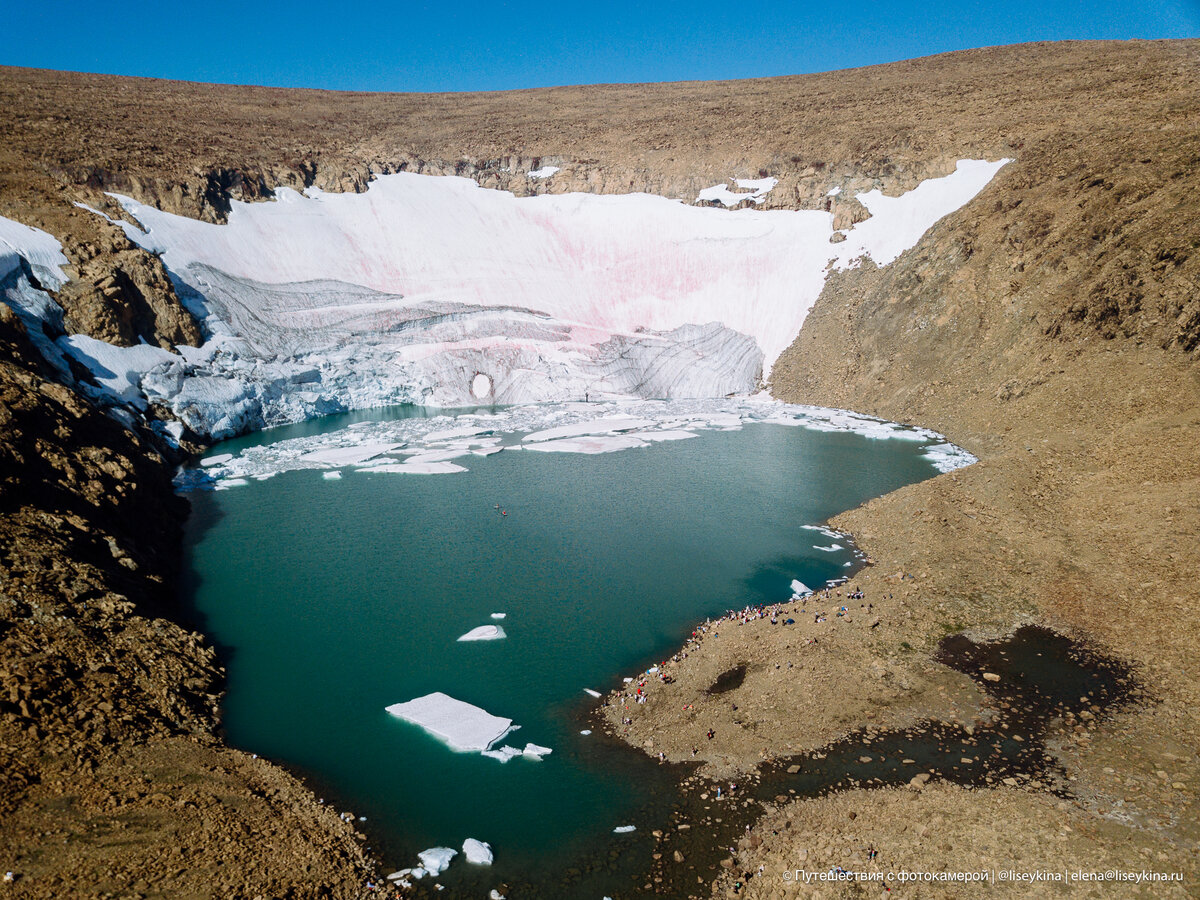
(468, 45)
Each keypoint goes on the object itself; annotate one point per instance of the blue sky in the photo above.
(460, 46)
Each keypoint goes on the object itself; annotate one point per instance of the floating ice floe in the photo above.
(591, 693)
(436, 859)
(484, 633)
(505, 753)
(946, 457)
(799, 589)
(586, 732)
(832, 548)
(821, 529)
(332, 476)
(464, 727)
(624, 829)
(499, 615)
(477, 853)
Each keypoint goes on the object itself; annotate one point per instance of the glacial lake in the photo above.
(332, 599)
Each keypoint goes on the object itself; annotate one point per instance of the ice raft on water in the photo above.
(484, 633)
(477, 852)
(531, 751)
(435, 859)
(464, 727)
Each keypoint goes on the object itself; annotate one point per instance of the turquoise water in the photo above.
(334, 599)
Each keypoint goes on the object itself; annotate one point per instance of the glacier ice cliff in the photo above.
(433, 290)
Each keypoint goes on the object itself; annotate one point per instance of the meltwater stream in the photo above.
(336, 598)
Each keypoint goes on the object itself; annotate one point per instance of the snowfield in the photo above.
(432, 290)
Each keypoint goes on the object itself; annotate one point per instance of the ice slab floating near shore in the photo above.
(436, 859)
(484, 633)
(799, 589)
(530, 751)
(464, 727)
(478, 853)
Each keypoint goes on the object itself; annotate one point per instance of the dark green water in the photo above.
(334, 599)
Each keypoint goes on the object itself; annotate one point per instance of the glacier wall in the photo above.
(433, 290)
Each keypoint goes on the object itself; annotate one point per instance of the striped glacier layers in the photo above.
(435, 291)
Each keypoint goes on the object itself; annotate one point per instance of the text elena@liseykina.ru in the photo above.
(990, 876)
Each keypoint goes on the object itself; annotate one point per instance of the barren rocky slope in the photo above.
(1052, 327)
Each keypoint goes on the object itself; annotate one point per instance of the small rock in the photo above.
(990, 676)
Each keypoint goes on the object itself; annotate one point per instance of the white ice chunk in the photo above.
(624, 829)
(591, 693)
(451, 434)
(586, 732)
(504, 754)
(499, 615)
(544, 172)
(799, 589)
(415, 468)
(218, 459)
(946, 457)
(666, 435)
(484, 633)
(435, 859)
(535, 751)
(348, 456)
(604, 425)
(477, 853)
(591, 445)
(463, 726)
(832, 548)
(332, 476)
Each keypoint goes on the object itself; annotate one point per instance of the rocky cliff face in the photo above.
(1052, 327)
